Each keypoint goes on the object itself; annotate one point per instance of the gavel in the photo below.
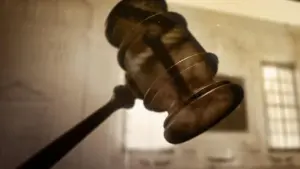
(166, 67)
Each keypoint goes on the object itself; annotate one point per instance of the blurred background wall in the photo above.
(57, 68)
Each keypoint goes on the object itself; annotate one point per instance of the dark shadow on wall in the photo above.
(237, 121)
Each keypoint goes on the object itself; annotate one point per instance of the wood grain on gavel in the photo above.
(168, 68)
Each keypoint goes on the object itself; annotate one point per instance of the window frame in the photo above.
(291, 67)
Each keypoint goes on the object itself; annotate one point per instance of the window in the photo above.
(281, 107)
(144, 129)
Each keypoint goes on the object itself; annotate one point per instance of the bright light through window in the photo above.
(270, 72)
(144, 129)
(281, 107)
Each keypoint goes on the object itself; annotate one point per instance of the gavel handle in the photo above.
(55, 151)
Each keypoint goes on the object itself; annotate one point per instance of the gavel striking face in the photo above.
(168, 69)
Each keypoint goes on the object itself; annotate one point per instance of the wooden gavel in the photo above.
(165, 67)
(168, 69)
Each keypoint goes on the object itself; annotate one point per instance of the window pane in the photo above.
(276, 126)
(289, 99)
(273, 98)
(271, 86)
(276, 141)
(270, 72)
(290, 114)
(287, 88)
(274, 113)
(292, 126)
(285, 75)
(293, 142)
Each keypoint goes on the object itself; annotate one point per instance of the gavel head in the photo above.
(126, 15)
(168, 69)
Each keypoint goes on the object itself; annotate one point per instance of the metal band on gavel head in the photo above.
(168, 69)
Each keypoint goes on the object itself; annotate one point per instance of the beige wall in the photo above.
(56, 50)
(281, 11)
(57, 53)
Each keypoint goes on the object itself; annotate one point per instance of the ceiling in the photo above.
(283, 11)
